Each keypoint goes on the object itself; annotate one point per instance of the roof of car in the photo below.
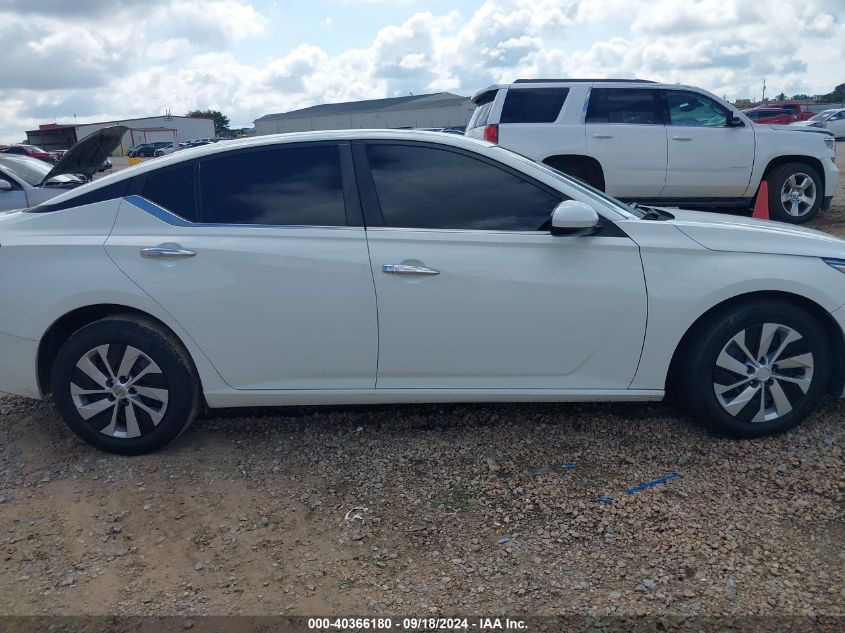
(526, 84)
(197, 151)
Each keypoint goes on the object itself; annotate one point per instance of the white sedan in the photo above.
(388, 266)
(833, 120)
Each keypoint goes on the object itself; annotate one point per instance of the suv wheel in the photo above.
(125, 386)
(795, 193)
(757, 370)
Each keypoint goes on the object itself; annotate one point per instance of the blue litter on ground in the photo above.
(567, 466)
(604, 500)
(649, 484)
(503, 541)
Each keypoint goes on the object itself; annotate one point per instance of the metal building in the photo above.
(53, 136)
(439, 110)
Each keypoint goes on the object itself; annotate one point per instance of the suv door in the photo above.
(708, 158)
(267, 268)
(473, 290)
(625, 133)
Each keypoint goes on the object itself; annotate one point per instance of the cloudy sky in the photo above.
(109, 59)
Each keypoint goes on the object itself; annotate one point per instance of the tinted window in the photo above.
(173, 189)
(283, 186)
(536, 105)
(694, 110)
(109, 192)
(422, 187)
(623, 105)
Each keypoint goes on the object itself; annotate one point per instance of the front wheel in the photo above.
(796, 193)
(125, 385)
(757, 369)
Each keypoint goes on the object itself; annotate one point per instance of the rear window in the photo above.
(636, 106)
(109, 192)
(482, 110)
(534, 105)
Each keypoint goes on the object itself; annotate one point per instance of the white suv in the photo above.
(661, 143)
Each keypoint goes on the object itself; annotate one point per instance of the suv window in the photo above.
(428, 188)
(482, 110)
(623, 105)
(694, 110)
(281, 186)
(173, 189)
(534, 105)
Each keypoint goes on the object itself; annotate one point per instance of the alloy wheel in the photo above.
(119, 390)
(798, 194)
(763, 372)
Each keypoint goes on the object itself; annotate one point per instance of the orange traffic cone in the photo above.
(761, 205)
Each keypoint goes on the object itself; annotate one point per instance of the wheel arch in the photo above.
(827, 321)
(586, 168)
(777, 161)
(64, 327)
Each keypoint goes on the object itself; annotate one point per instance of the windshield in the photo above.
(821, 116)
(602, 197)
(32, 170)
(33, 148)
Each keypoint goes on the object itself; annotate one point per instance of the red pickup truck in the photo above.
(794, 108)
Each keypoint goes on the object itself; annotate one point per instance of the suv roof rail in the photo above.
(553, 81)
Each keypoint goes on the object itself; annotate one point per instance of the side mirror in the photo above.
(5, 185)
(735, 121)
(571, 217)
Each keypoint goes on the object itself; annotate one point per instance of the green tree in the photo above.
(781, 97)
(800, 96)
(838, 94)
(221, 121)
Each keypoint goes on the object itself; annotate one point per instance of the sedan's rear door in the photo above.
(266, 267)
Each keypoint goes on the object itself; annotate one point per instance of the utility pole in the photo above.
(763, 99)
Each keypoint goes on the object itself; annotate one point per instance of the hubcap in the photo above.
(763, 372)
(798, 194)
(119, 390)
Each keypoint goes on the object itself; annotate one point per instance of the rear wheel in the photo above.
(757, 369)
(795, 193)
(125, 386)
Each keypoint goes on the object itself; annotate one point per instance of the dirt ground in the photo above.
(427, 510)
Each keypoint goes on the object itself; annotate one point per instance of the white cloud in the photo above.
(61, 60)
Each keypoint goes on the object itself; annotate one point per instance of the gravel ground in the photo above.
(421, 510)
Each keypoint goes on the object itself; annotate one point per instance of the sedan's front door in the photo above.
(270, 277)
(475, 293)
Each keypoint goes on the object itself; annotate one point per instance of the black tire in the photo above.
(172, 372)
(780, 210)
(701, 375)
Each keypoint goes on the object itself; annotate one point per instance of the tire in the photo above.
(798, 183)
(142, 414)
(791, 382)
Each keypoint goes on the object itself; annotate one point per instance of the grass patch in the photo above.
(456, 498)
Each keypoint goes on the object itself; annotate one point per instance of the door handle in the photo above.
(404, 269)
(163, 252)
(602, 136)
(681, 138)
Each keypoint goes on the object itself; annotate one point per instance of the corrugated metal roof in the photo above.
(438, 99)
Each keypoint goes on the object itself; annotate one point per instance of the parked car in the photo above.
(455, 271)
(832, 120)
(659, 143)
(795, 109)
(146, 149)
(777, 116)
(26, 182)
(32, 151)
(167, 149)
